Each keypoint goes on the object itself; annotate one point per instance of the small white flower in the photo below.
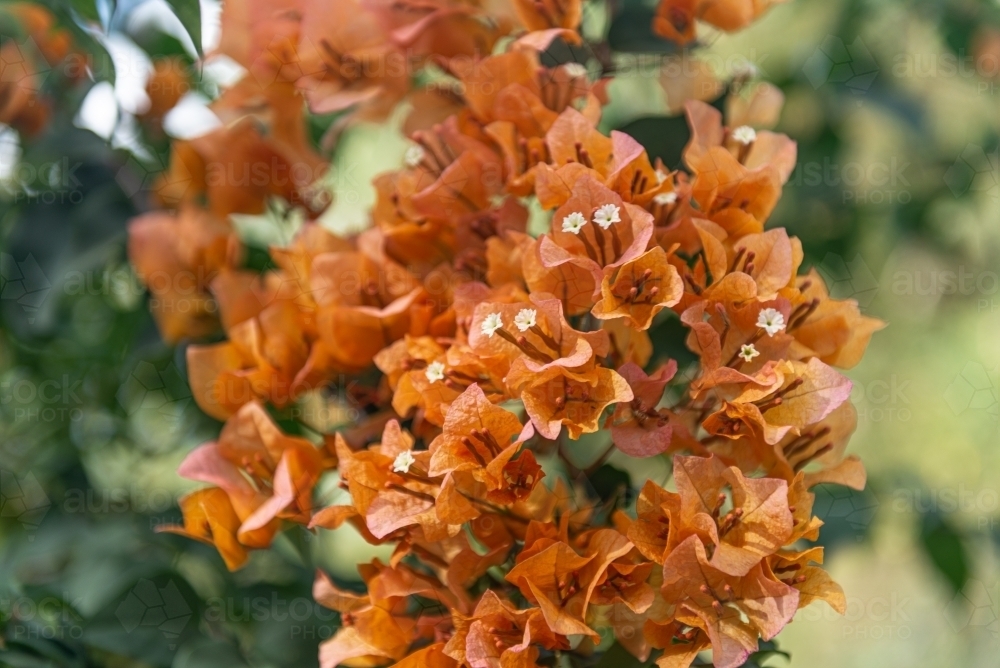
(435, 371)
(491, 324)
(413, 156)
(574, 222)
(771, 321)
(403, 462)
(665, 199)
(745, 68)
(606, 215)
(745, 134)
(575, 70)
(525, 319)
(748, 352)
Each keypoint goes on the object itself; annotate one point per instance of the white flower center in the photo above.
(525, 319)
(665, 199)
(413, 156)
(744, 134)
(748, 352)
(435, 371)
(771, 321)
(574, 222)
(403, 462)
(745, 68)
(491, 324)
(607, 215)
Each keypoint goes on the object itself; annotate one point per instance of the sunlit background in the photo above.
(895, 105)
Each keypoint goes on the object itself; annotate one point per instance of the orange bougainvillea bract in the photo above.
(495, 338)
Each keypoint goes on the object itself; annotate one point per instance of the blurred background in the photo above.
(895, 105)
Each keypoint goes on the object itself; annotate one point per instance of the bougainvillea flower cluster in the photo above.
(35, 47)
(505, 303)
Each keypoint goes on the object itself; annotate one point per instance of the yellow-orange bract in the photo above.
(475, 347)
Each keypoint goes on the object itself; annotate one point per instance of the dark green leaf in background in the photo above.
(189, 12)
(946, 549)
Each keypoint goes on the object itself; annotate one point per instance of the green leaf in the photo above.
(205, 653)
(189, 12)
(618, 657)
(632, 32)
(86, 9)
(663, 137)
(28, 652)
(766, 649)
(946, 549)
(13, 658)
(607, 481)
